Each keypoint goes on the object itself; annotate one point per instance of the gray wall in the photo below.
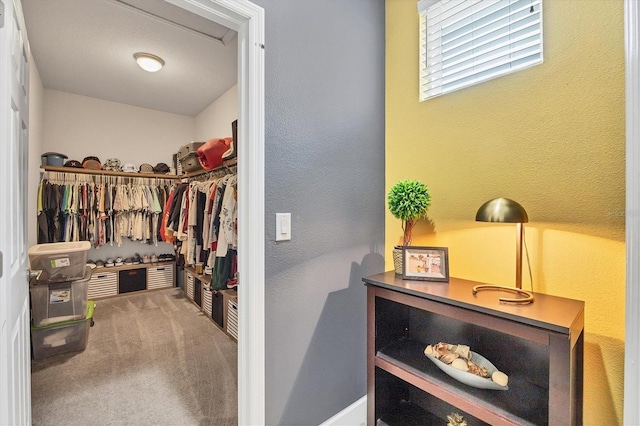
(324, 164)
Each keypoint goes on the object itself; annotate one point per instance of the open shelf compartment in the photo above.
(523, 403)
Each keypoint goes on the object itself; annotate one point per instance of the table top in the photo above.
(553, 313)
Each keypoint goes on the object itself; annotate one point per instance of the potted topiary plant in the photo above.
(408, 201)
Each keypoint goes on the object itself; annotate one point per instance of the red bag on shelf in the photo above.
(211, 153)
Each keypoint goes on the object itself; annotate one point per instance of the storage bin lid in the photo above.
(36, 282)
(90, 308)
(59, 248)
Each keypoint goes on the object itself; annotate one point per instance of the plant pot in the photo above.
(397, 259)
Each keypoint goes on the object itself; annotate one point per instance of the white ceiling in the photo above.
(86, 47)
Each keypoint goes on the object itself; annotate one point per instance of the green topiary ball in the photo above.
(409, 200)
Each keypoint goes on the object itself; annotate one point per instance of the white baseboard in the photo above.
(353, 415)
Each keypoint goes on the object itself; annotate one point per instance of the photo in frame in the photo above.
(425, 263)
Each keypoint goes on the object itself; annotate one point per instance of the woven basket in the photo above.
(397, 259)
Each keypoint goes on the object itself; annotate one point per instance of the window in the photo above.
(465, 42)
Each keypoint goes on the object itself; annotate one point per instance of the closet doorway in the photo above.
(248, 21)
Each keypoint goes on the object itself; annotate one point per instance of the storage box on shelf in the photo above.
(63, 337)
(207, 300)
(539, 346)
(188, 156)
(213, 303)
(103, 284)
(197, 292)
(160, 276)
(217, 308)
(231, 314)
(57, 302)
(130, 280)
(190, 284)
(111, 281)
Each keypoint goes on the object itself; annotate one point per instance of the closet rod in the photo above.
(74, 178)
(213, 174)
(226, 165)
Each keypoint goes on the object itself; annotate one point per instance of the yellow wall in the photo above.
(550, 137)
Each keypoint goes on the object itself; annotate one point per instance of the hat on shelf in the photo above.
(91, 163)
(161, 168)
(146, 168)
(73, 163)
(112, 164)
(129, 167)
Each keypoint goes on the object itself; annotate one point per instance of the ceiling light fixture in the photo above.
(148, 62)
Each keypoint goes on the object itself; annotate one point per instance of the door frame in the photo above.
(632, 216)
(248, 20)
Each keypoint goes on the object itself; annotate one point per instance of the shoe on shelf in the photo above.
(128, 261)
(146, 259)
(109, 263)
(136, 259)
(154, 258)
(118, 261)
(99, 264)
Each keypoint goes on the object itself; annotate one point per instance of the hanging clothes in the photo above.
(209, 210)
(98, 210)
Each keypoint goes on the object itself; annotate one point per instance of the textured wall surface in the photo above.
(215, 120)
(79, 126)
(324, 164)
(550, 137)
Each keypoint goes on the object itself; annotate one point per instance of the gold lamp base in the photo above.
(528, 297)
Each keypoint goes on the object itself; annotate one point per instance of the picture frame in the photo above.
(425, 263)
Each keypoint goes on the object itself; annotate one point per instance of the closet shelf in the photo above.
(226, 164)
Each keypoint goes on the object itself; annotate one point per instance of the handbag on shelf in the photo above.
(211, 154)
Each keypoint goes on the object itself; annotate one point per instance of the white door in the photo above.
(15, 375)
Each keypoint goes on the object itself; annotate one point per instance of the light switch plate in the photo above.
(283, 226)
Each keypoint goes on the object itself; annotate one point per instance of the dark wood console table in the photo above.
(539, 346)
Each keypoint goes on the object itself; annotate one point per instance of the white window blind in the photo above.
(464, 42)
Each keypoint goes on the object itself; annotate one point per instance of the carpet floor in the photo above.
(152, 358)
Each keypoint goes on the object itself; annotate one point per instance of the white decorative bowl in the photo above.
(470, 378)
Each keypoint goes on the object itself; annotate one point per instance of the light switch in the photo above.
(283, 226)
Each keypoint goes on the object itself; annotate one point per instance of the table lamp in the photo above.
(504, 210)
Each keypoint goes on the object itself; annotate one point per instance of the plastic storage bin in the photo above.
(58, 302)
(59, 261)
(63, 337)
(188, 156)
(53, 159)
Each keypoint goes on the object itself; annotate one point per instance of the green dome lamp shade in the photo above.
(504, 210)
